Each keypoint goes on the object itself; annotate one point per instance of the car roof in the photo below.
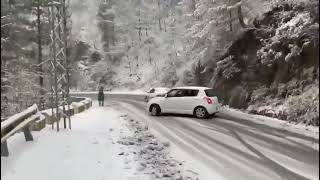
(160, 88)
(192, 87)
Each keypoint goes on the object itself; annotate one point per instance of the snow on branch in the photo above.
(2, 26)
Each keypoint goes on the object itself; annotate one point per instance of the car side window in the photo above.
(151, 90)
(176, 93)
(172, 93)
(191, 93)
(194, 92)
(180, 93)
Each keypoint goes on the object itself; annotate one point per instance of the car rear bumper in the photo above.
(213, 109)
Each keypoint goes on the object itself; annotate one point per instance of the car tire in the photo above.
(200, 112)
(155, 110)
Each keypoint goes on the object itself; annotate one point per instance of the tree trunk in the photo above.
(139, 28)
(240, 16)
(113, 33)
(230, 18)
(40, 71)
(192, 6)
(230, 21)
(159, 18)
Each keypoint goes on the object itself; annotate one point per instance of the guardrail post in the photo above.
(4, 149)
(27, 134)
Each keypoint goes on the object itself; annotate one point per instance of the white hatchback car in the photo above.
(197, 101)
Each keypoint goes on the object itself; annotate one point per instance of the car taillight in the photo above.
(209, 101)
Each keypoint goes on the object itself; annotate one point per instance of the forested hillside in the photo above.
(258, 55)
(261, 56)
(19, 56)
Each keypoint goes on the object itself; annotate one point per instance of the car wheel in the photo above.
(155, 110)
(200, 112)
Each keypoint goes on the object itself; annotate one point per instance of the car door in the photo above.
(191, 100)
(172, 101)
(188, 102)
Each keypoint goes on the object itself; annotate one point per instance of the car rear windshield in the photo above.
(210, 92)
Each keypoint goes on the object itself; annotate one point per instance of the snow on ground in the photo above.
(103, 144)
(231, 147)
(192, 166)
(85, 152)
(310, 131)
(150, 154)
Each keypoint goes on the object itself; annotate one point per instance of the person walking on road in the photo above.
(101, 97)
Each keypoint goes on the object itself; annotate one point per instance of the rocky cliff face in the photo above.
(272, 68)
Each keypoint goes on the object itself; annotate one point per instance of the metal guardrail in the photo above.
(25, 120)
(110, 95)
(16, 123)
(76, 99)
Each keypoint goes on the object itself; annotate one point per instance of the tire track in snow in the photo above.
(248, 134)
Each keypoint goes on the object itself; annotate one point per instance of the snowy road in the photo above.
(234, 148)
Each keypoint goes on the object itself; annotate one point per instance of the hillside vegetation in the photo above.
(261, 56)
(258, 55)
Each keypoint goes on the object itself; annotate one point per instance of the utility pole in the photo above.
(59, 60)
(65, 40)
(40, 71)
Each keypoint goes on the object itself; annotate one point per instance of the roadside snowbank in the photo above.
(151, 155)
(310, 131)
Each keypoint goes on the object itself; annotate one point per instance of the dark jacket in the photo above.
(100, 96)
